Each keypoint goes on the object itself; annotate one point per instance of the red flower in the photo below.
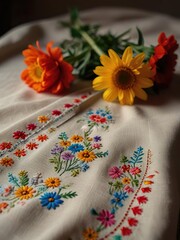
(125, 168)
(164, 60)
(142, 199)
(67, 105)
(5, 145)
(77, 100)
(46, 71)
(126, 231)
(98, 119)
(20, 153)
(19, 134)
(31, 126)
(42, 138)
(146, 189)
(56, 112)
(137, 210)
(132, 222)
(84, 97)
(32, 145)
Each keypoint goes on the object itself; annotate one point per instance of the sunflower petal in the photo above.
(144, 82)
(100, 83)
(127, 56)
(137, 61)
(115, 57)
(140, 93)
(146, 71)
(110, 94)
(128, 97)
(106, 61)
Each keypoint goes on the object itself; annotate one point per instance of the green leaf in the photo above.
(74, 16)
(68, 195)
(24, 180)
(94, 212)
(124, 159)
(140, 37)
(102, 154)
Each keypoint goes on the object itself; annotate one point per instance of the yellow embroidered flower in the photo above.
(65, 143)
(24, 192)
(123, 78)
(43, 119)
(126, 180)
(52, 182)
(23, 173)
(86, 156)
(90, 234)
(76, 138)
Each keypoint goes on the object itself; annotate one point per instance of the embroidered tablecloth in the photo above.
(77, 167)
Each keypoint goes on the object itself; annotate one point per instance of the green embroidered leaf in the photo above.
(93, 212)
(102, 154)
(117, 185)
(68, 195)
(117, 237)
(124, 159)
(136, 182)
(24, 180)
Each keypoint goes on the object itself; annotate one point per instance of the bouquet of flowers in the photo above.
(121, 68)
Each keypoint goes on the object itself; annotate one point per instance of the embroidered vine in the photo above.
(70, 154)
(126, 181)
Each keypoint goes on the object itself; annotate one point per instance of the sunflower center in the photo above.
(86, 155)
(53, 182)
(24, 192)
(124, 78)
(51, 199)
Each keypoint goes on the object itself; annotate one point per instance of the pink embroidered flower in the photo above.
(5, 145)
(7, 191)
(125, 168)
(114, 172)
(32, 145)
(126, 231)
(132, 222)
(137, 210)
(56, 112)
(97, 145)
(20, 153)
(146, 190)
(142, 199)
(19, 134)
(135, 171)
(67, 105)
(106, 218)
(128, 189)
(31, 126)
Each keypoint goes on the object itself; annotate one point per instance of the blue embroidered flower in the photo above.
(84, 167)
(109, 117)
(51, 200)
(118, 198)
(76, 148)
(97, 138)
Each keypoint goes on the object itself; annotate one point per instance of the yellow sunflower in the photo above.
(65, 143)
(123, 77)
(52, 182)
(76, 138)
(126, 180)
(90, 234)
(86, 156)
(24, 192)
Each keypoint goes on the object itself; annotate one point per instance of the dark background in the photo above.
(15, 12)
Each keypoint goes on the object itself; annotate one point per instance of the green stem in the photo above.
(92, 43)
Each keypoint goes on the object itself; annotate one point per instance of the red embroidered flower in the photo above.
(5, 145)
(137, 210)
(114, 172)
(128, 189)
(164, 60)
(20, 153)
(125, 168)
(46, 71)
(84, 96)
(142, 199)
(67, 105)
(19, 134)
(32, 145)
(42, 138)
(8, 190)
(77, 100)
(98, 119)
(135, 171)
(132, 222)
(6, 161)
(126, 231)
(3, 205)
(56, 112)
(150, 176)
(146, 189)
(31, 126)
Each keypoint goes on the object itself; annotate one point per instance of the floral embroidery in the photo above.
(6, 161)
(70, 154)
(127, 180)
(22, 189)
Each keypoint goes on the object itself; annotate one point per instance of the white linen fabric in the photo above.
(77, 167)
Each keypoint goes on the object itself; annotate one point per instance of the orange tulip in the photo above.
(46, 71)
